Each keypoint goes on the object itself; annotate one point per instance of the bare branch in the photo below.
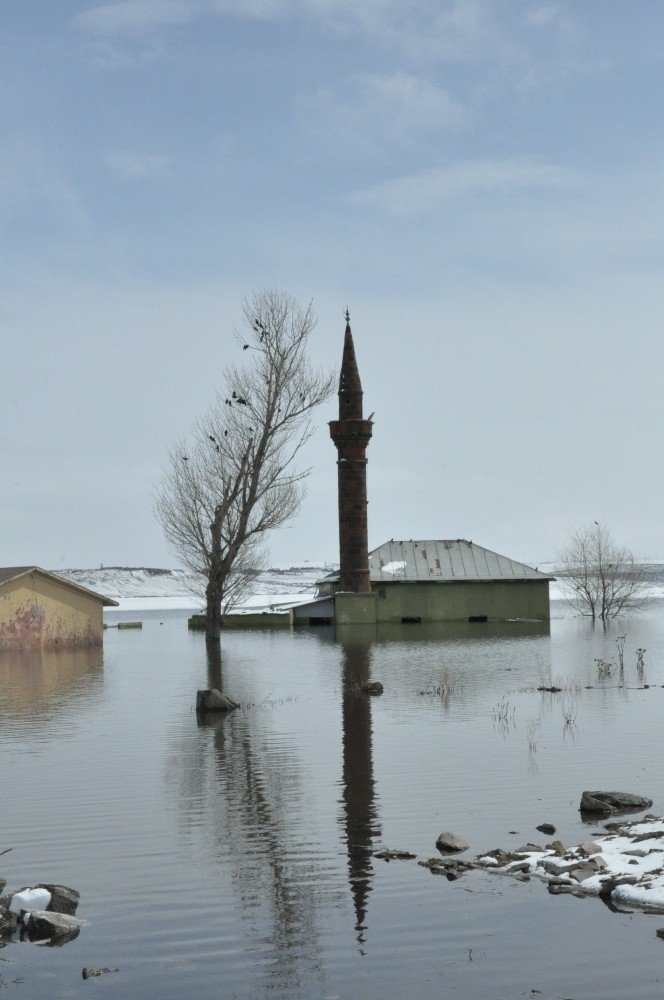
(235, 478)
(600, 578)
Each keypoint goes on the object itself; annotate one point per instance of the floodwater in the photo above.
(234, 858)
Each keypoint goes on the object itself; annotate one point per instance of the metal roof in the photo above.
(8, 573)
(442, 561)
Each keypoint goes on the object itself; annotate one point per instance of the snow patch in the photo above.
(29, 899)
(396, 568)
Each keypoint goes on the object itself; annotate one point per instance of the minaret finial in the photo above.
(347, 315)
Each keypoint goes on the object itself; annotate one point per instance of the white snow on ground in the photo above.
(634, 852)
(143, 589)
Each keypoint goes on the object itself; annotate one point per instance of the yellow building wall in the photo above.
(38, 611)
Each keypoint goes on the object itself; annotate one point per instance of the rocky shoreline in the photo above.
(623, 864)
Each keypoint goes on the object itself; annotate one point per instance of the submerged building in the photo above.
(443, 580)
(40, 609)
(408, 581)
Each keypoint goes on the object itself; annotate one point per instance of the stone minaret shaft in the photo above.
(351, 435)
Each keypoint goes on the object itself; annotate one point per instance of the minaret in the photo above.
(351, 435)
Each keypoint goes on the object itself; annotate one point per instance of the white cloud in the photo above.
(138, 166)
(408, 101)
(428, 190)
(382, 108)
(457, 30)
(545, 14)
(136, 17)
(33, 184)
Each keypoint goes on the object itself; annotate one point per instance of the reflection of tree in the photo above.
(249, 787)
(41, 684)
(359, 812)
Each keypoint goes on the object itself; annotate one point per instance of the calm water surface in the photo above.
(234, 858)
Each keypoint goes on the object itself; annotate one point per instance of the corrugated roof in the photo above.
(442, 560)
(8, 573)
(445, 560)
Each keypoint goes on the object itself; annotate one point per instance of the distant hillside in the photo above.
(149, 582)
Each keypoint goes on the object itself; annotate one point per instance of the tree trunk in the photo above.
(215, 677)
(213, 591)
(212, 612)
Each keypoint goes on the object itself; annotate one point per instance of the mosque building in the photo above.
(414, 580)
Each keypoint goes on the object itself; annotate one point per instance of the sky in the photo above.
(480, 183)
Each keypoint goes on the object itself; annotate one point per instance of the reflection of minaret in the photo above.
(358, 783)
(351, 435)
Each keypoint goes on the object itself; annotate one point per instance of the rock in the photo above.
(7, 922)
(63, 899)
(500, 856)
(609, 884)
(374, 688)
(557, 847)
(3, 883)
(393, 854)
(637, 853)
(41, 924)
(581, 872)
(587, 850)
(563, 889)
(547, 828)
(451, 868)
(451, 842)
(89, 973)
(610, 802)
(660, 933)
(212, 700)
(528, 849)
(655, 835)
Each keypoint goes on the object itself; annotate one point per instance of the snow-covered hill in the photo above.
(140, 588)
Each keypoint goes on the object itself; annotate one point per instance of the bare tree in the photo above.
(235, 477)
(601, 579)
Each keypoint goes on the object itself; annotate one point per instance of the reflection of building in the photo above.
(359, 811)
(37, 684)
(40, 609)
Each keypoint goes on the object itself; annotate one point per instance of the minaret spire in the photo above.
(350, 387)
(351, 435)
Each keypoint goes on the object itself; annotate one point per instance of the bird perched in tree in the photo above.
(241, 400)
(225, 434)
(234, 394)
(245, 347)
(212, 438)
(184, 458)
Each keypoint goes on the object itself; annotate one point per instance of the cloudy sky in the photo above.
(481, 182)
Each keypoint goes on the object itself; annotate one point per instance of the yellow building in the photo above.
(41, 609)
